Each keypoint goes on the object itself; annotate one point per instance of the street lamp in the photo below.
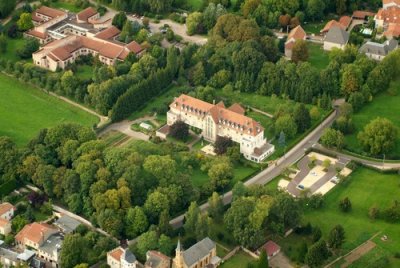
(383, 162)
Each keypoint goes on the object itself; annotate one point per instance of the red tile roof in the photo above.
(390, 15)
(393, 30)
(116, 253)
(104, 48)
(5, 207)
(108, 33)
(220, 115)
(271, 248)
(345, 21)
(87, 13)
(237, 108)
(33, 232)
(37, 34)
(330, 24)
(297, 33)
(385, 2)
(358, 14)
(50, 12)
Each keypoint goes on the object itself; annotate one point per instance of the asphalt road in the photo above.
(274, 170)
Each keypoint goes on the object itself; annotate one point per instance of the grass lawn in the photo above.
(240, 259)
(84, 72)
(65, 4)
(241, 173)
(317, 56)
(314, 27)
(159, 102)
(25, 110)
(195, 4)
(365, 188)
(12, 46)
(113, 138)
(384, 105)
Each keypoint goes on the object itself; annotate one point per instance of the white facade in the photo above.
(250, 137)
(328, 46)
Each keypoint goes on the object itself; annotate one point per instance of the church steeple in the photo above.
(178, 261)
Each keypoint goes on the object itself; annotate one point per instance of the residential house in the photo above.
(295, 34)
(343, 23)
(216, 120)
(7, 211)
(362, 15)
(379, 51)
(45, 14)
(200, 255)
(336, 38)
(33, 235)
(6, 214)
(388, 18)
(122, 258)
(155, 259)
(50, 249)
(44, 239)
(390, 3)
(66, 224)
(10, 258)
(271, 248)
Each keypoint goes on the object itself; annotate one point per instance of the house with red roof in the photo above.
(271, 248)
(388, 18)
(122, 258)
(217, 120)
(87, 15)
(6, 214)
(343, 23)
(295, 34)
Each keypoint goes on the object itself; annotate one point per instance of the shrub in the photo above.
(345, 204)
(179, 130)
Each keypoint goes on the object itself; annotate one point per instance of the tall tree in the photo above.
(336, 237)
(300, 51)
(302, 118)
(73, 251)
(379, 136)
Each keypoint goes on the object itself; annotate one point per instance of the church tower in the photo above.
(178, 260)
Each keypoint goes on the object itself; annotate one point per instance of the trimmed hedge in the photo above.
(8, 187)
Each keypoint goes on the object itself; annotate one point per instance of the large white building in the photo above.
(216, 120)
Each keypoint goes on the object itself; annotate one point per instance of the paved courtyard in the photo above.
(312, 177)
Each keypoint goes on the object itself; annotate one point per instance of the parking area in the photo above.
(314, 174)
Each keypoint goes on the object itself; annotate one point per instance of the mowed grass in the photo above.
(240, 259)
(84, 72)
(195, 5)
(365, 188)
(317, 56)
(65, 4)
(384, 105)
(25, 110)
(314, 27)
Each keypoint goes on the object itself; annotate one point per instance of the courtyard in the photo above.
(314, 174)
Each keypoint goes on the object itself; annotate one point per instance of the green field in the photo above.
(365, 188)
(317, 56)
(25, 110)
(65, 4)
(84, 72)
(314, 27)
(384, 105)
(240, 259)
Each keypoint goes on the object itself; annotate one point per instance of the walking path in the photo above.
(379, 164)
(103, 119)
(261, 112)
(125, 127)
(356, 253)
(73, 215)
